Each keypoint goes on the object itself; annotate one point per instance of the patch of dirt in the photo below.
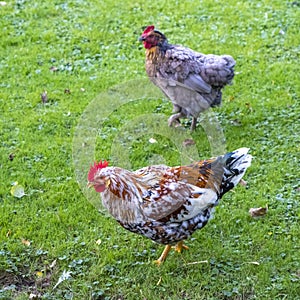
(23, 283)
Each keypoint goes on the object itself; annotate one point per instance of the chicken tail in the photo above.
(235, 165)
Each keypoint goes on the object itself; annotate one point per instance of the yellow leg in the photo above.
(179, 246)
(163, 256)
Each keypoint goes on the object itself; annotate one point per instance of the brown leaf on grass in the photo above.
(188, 142)
(67, 91)
(258, 212)
(25, 242)
(8, 233)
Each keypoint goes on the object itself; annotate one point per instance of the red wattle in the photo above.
(147, 45)
(99, 188)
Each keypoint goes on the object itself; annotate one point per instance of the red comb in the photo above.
(148, 29)
(94, 168)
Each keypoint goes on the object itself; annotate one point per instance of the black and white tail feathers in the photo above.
(235, 166)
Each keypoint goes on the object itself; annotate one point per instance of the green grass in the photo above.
(93, 46)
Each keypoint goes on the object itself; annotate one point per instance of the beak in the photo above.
(90, 184)
(141, 38)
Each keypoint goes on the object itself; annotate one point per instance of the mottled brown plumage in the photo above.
(191, 80)
(167, 204)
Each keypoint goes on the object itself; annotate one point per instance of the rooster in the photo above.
(167, 204)
(191, 80)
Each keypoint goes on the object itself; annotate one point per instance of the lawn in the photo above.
(57, 241)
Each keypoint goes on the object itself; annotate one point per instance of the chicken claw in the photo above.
(174, 119)
(179, 246)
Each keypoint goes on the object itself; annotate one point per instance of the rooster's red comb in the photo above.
(95, 167)
(149, 29)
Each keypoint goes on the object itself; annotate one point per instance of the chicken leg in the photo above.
(163, 256)
(178, 248)
(194, 124)
(176, 119)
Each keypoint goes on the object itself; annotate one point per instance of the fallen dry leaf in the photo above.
(8, 233)
(98, 242)
(25, 242)
(258, 212)
(67, 91)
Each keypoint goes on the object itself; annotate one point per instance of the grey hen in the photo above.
(191, 80)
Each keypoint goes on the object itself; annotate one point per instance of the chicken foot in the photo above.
(194, 124)
(175, 119)
(178, 248)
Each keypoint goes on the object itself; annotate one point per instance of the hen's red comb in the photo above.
(149, 29)
(94, 168)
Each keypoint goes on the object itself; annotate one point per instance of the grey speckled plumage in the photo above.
(193, 81)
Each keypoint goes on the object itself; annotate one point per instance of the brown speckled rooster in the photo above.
(191, 80)
(167, 204)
